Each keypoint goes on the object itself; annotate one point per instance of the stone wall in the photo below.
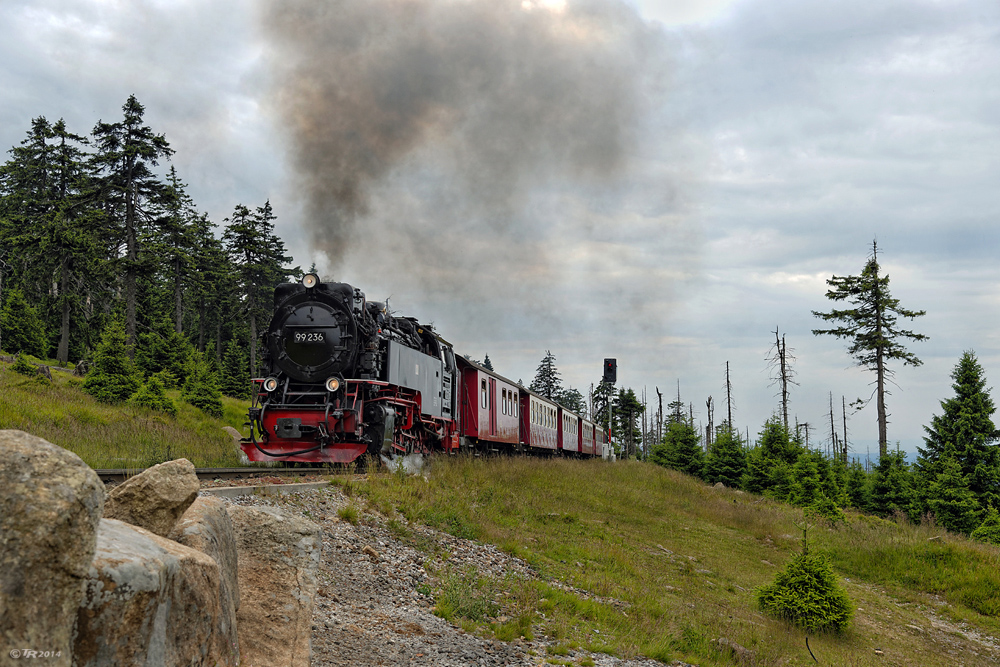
(150, 573)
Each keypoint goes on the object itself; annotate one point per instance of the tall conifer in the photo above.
(130, 192)
(870, 325)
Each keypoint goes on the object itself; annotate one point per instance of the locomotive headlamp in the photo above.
(332, 384)
(309, 280)
(270, 384)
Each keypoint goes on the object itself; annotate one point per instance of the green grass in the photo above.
(116, 436)
(670, 565)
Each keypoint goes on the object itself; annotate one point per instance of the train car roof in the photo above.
(478, 366)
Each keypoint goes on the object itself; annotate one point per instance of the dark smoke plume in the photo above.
(462, 109)
(502, 168)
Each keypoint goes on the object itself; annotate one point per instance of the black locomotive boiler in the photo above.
(345, 377)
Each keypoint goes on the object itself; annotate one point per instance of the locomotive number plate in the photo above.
(309, 337)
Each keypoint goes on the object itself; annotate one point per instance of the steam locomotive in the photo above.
(346, 378)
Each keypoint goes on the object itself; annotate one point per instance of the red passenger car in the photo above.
(490, 406)
(569, 432)
(588, 439)
(539, 422)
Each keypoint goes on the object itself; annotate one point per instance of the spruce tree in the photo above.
(547, 381)
(201, 389)
(55, 227)
(258, 257)
(806, 481)
(487, 364)
(130, 192)
(965, 432)
(948, 496)
(776, 444)
(21, 329)
(627, 412)
(235, 376)
(22, 366)
(214, 289)
(112, 378)
(892, 486)
(858, 488)
(173, 242)
(572, 400)
(164, 349)
(726, 461)
(806, 594)
(680, 450)
(870, 325)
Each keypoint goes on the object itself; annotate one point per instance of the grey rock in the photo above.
(50, 505)
(156, 498)
(206, 527)
(150, 601)
(279, 556)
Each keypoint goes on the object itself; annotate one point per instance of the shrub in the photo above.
(806, 594)
(24, 367)
(151, 395)
(989, 530)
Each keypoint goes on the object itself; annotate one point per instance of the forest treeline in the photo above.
(97, 231)
(954, 482)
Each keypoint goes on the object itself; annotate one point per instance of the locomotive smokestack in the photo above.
(457, 112)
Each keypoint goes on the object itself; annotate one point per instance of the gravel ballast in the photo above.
(371, 608)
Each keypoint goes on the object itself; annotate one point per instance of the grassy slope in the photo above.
(117, 436)
(670, 563)
(684, 559)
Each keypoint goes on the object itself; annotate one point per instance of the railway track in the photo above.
(118, 475)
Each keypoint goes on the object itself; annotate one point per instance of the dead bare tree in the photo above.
(780, 363)
(729, 398)
(709, 429)
(659, 417)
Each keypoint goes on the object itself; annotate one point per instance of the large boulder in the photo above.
(155, 498)
(50, 505)
(279, 558)
(150, 601)
(206, 526)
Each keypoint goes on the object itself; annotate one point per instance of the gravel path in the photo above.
(370, 609)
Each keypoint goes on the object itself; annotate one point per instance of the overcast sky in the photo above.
(661, 182)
